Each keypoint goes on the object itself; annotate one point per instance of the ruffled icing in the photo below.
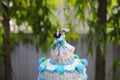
(41, 60)
(75, 65)
(42, 67)
(84, 61)
(76, 56)
(59, 69)
(80, 68)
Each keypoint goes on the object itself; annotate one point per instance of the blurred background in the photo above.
(27, 27)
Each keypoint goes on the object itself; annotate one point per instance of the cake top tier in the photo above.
(61, 52)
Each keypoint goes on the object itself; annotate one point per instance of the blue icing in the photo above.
(69, 71)
(42, 67)
(60, 42)
(42, 60)
(60, 69)
(50, 71)
(84, 62)
(80, 68)
(76, 56)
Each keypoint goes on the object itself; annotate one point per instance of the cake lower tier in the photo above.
(73, 70)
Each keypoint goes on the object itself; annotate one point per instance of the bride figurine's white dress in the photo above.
(62, 52)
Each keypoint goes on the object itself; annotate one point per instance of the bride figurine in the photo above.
(62, 52)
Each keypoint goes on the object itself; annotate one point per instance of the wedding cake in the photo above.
(63, 63)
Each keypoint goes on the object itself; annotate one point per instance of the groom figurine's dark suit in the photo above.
(57, 35)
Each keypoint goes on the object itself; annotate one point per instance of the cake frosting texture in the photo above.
(73, 70)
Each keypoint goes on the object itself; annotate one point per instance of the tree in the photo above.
(100, 59)
(114, 33)
(102, 36)
(98, 29)
(36, 13)
(6, 41)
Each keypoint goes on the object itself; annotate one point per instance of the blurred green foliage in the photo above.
(97, 32)
(37, 13)
(1, 41)
(40, 16)
(115, 66)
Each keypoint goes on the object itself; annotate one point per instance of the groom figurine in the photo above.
(57, 34)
